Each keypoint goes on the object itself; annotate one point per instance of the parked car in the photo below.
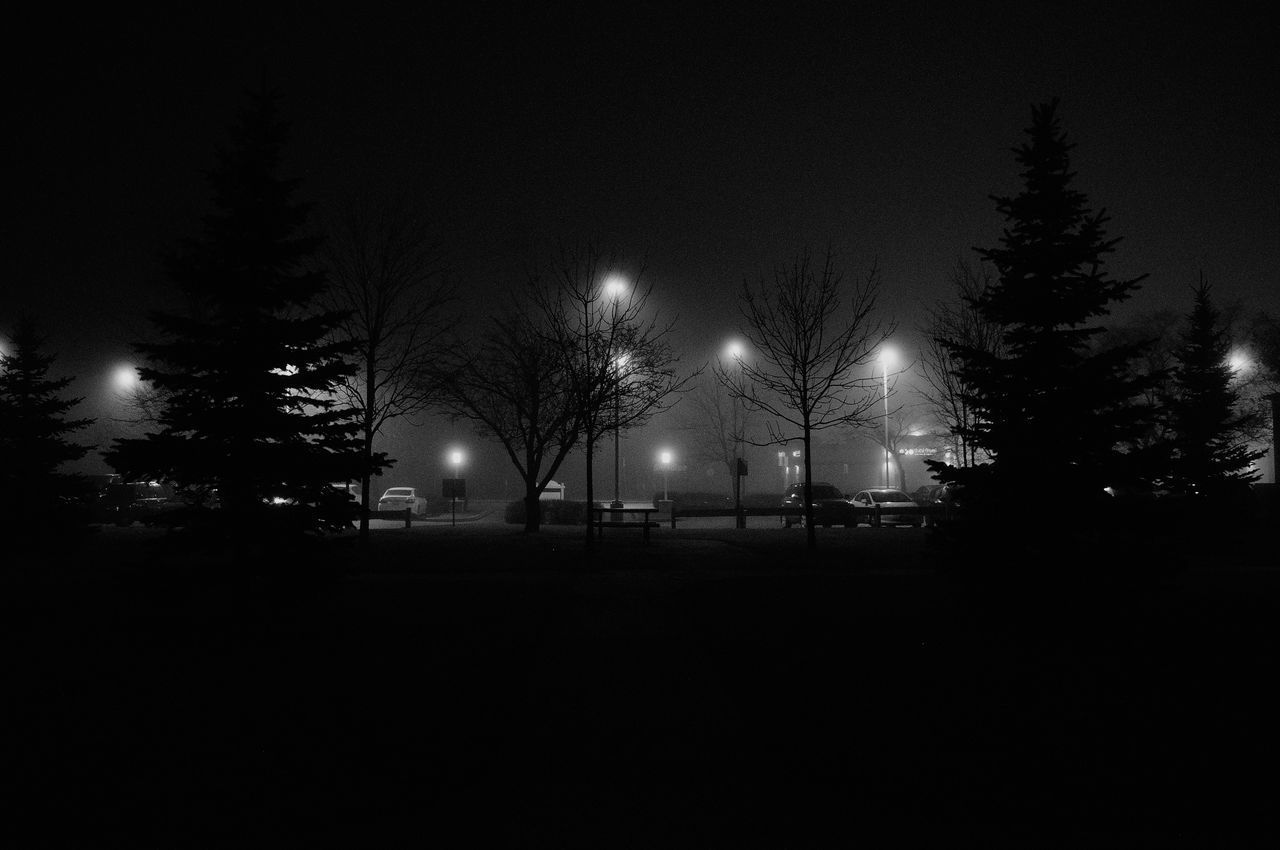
(830, 507)
(126, 503)
(936, 496)
(888, 500)
(950, 494)
(926, 494)
(352, 490)
(399, 498)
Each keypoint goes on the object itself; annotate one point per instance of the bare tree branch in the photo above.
(808, 345)
(388, 276)
(622, 368)
(513, 383)
(948, 325)
(718, 424)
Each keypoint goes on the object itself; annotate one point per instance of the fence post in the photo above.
(407, 513)
(877, 517)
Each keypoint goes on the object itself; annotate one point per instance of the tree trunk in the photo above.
(532, 507)
(811, 536)
(370, 377)
(366, 480)
(590, 488)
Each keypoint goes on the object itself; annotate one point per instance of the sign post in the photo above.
(454, 489)
(739, 471)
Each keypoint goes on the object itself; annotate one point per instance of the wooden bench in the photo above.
(619, 522)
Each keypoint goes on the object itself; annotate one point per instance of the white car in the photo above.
(399, 498)
(888, 500)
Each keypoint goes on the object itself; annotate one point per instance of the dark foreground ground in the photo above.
(474, 687)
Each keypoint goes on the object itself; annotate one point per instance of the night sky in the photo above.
(714, 144)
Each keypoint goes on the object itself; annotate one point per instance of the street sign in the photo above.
(742, 466)
(455, 488)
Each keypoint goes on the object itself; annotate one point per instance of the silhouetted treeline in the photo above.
(247, 372)
(1044, 397)
(298, 343)
(36, 441)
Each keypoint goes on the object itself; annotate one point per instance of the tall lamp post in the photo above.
(615, 287)
(455, 457)
(665, 459)
(739, 521)
(619, 363)
(886, 356)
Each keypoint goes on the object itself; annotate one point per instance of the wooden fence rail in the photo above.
(872, 515)
(405, 515)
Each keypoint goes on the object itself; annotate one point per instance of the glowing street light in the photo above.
(887, 357)
(615, 286)
(665, 459)
(124, 377)
(1239, 362)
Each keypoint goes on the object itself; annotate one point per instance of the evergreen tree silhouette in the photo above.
(246, 372)
(1208, 451)
(1050, 407)
(34, 436)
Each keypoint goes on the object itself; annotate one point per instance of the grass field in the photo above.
(477, 686)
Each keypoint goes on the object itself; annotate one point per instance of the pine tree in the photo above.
(1049, 407)
(246, 372)
(34, 434)
(1209, 453)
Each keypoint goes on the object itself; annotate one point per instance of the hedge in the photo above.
(554, 512)
(719, 500)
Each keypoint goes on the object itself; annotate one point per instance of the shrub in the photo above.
(696, 500)
(719, 500)
(554, 512)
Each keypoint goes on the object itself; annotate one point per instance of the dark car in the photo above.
(946, 499)
(925, 494)
(127, 503)
(830, 507)
(950, 494)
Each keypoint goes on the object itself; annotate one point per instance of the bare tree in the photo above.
(387, 274)
(890, 440)
(622, 366)
(807, 343)
(646, 380)
(514, 384)
(717, 423)
(143, 402)
(952, 323)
